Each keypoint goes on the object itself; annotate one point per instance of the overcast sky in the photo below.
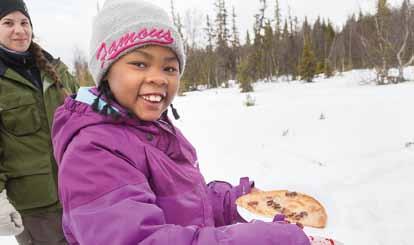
(62, 26)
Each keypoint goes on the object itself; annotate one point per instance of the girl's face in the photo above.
(145, 81)
(15, 32)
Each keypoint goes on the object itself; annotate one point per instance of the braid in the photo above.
(107, 109)
(44, 65)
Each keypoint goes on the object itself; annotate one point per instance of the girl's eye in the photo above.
(139, 64)
(171, 69)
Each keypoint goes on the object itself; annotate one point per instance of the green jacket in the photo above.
(27, 167)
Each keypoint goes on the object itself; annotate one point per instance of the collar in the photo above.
(10, 58)
(88, 95)
(3, 68)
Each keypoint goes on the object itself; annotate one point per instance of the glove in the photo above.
(243, 188)
(11, 223)
(280, 218)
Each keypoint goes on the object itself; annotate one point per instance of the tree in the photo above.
(403, 59)
(222, 35)
(82, 73)
(193, 21)
(210, 55)
(390, 44)
(248, 42)
(278, 18)
(382, 29)
(177, 20)
(244, 76)
(235, 46)
(269, 61)
(308, 62)
(256, 56)
(277, 35)
(329, 40)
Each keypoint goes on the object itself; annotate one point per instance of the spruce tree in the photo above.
(248, 42)
(222, 35)
(244, 76)
(277, 38)
(308, 62)
(328, 70)
(235, 46)
(210, 58)
(268, 51)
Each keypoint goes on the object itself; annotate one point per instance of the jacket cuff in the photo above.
(2, 186)
(243, 188)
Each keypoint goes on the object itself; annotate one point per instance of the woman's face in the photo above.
(15, 32)
(145, 81)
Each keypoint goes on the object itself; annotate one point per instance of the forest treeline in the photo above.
(288, 49)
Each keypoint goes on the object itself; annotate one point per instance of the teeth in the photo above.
(153, 98)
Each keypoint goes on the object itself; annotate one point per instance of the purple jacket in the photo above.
(128, 181)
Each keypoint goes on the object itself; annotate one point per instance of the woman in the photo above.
(32, 85)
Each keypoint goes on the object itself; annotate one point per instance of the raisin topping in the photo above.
(291, 194)
(252, 203)
(300, 215)
(276, 206)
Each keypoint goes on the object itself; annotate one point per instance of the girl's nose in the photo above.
(157, 77)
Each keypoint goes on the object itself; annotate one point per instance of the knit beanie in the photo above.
(124, 25)
(8, 6)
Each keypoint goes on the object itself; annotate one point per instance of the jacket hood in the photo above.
(67, 123)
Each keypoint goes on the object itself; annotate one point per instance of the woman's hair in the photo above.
(44, 65)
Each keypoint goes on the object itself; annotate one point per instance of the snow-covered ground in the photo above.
(349, 145)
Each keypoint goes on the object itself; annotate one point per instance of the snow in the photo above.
(342, 140)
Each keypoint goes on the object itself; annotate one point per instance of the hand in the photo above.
(280, 218)
(254, 189)
(11, 223)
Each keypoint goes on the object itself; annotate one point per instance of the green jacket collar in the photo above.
(9, 73)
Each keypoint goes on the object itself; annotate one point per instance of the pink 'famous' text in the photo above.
(128, 40)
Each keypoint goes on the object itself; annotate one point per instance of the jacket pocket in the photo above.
(32, 191)
(19, 114)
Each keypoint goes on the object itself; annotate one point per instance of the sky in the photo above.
(357, 161)
(64, 27)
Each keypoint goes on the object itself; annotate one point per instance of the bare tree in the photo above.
(82, 74)
(402, 58)
(193, 21)
(177, 20)
(391, 44)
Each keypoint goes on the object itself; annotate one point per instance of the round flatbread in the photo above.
(297, 207)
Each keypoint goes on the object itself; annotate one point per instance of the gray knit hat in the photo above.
(124, 25)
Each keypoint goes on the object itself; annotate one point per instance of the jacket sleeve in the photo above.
(3, 177)
(68, 80)
(110, 201)
(223, 197)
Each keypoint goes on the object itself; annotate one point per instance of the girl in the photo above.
(32, 85)
(126, 174)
